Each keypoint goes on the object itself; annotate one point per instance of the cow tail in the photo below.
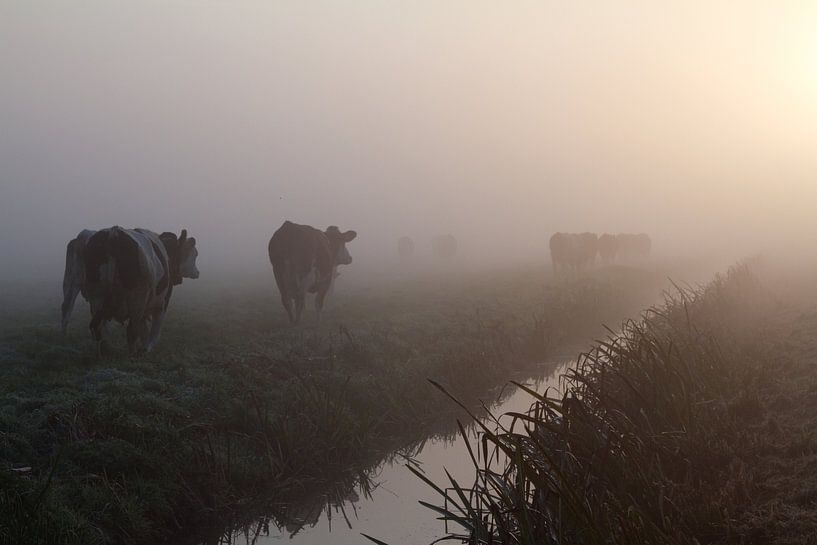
(72, 267)
(125, 253)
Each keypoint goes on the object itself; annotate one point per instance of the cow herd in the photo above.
(574, 252)
(128, 275)
(443, 247)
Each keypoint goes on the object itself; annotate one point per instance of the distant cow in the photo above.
(444, 246)
(632, 247)
(73, 280)
(305, 259)
(405, 247)
(129, 277)
(608, 247)
(571, 251)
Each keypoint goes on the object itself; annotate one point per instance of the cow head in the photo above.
(182, 253)
(187, 256)
(337, 244)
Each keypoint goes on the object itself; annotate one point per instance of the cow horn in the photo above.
(183, 237)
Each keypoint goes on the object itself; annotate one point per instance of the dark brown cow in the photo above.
(573, 252)
(608, 247)
(305, 259)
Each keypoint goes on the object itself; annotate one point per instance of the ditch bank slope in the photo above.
(697, 425)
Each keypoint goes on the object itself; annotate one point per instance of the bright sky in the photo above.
(693, 121)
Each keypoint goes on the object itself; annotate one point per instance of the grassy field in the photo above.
(696, 425)
(235, 408)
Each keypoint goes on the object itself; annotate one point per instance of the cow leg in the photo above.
(286, 285)
(319, 298)
(97, 328)
(70, 292)
(132, 333)
(300, 298)
(287, 302)
(155, 329)
(136, 333)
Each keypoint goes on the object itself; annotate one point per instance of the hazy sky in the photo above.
(497, 121)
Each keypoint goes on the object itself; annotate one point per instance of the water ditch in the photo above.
(387, 506)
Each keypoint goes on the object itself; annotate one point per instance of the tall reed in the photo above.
(643, 446)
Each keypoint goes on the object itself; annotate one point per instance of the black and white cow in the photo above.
(305, 259)
(129, 277)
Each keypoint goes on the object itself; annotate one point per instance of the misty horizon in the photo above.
(500, 126)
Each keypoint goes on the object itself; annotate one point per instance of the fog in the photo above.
(497, 122)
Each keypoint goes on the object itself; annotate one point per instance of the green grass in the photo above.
(236, 412)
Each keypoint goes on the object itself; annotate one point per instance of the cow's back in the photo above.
(154, 260)
(297, 247)
(129, 265)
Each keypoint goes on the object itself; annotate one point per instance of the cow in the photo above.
(73, 280)
(444, 246)
(571, 251)
(305, 259)
(129, 277)
(405, 247)
(559, 251)
(608, 247)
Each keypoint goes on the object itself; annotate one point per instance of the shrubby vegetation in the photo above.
(670, 433)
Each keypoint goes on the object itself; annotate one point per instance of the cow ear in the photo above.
(349, 236)
(192, 241)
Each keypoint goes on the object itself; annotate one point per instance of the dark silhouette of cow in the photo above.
(608, 247)
(573, 252)
(305, 259)
(129, 275)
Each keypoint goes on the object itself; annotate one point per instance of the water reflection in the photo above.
(383, 502)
